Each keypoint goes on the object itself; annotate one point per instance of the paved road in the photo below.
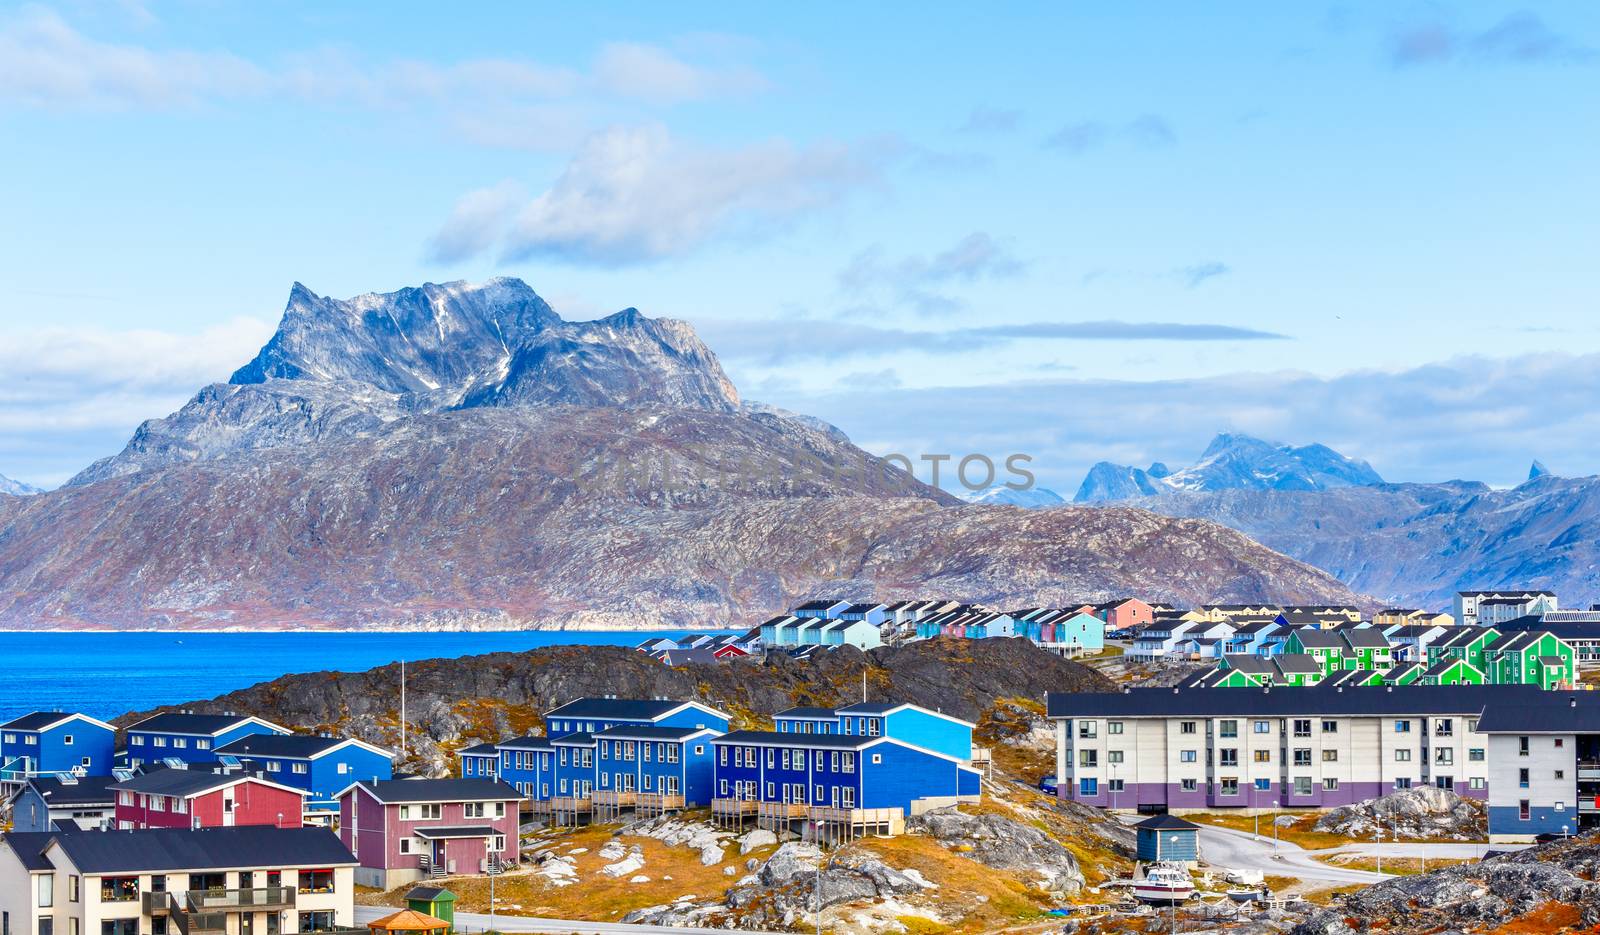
(1451, 850)
(1240, 850)
(479, 922)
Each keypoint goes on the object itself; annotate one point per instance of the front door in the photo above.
(438, 854)
(227, 809)
(247, 923)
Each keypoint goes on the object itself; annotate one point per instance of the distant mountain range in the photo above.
(458, 455)
(1033, 498)
(16, 488)
(1231, 462)
(1414, 544)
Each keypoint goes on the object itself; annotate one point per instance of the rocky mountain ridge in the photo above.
(1231, 462)
(16, 488)
(458, 456)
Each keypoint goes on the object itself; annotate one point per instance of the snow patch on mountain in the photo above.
(1033, 498)
(1231, 462)
(17, 488)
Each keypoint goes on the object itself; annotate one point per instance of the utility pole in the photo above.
(402, 711)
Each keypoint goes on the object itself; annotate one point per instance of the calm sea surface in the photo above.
(107, 674)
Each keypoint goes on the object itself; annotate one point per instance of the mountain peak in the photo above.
(1232, 461)
(1538, 470)
(16, 488)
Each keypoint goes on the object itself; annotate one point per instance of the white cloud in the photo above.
(46, 62)
(72, 395)
(917, 281)
(476, 222)
(637, 194)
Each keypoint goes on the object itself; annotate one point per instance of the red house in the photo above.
(401, 829)
(184, 798)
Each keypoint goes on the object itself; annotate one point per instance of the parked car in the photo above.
(1047, 784)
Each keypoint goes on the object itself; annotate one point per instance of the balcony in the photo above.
(258, 899)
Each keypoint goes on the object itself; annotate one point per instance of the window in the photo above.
(1302, 785)
(1330, 756)
(1522, 746)
(475, 809)
(1402, 727)
(1524, 812)
(1330, 785)
(1088, 786)
(1262, 727)
(273, 766)
(1089, 758)
(431, 810)
(1228, 756)
(119, 889)
(1302, 727)
(1302, 756)
(316, 881)
(1113, 756)
(1263, 756)
(136, 740)
(72, 888)
(1560, 742)
(160, 741)
(1476, 782)
(1115, 785)
(405, 845)
(180, 743)
(1402, 756)
(1263, 785)
(1561, 806)
(202, 744)
(1228, 729)
(66, 740)
(1188, 756)
(1444, 756)
(1561, 774)
(1230, 786)
(46, 891)
(1186, 727)
(1402, 783)
(1330, 727)
(1187, 785)
(1444, 727)
(1522, 778)
(1475, 754)
(877, 758)
(1087, 730)
(298, 769)
(1113, 727)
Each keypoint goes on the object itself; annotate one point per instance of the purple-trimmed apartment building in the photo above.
(1158, 750)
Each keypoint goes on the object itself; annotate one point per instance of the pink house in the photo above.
(184, 798)
(1125, 613)
(403, 830)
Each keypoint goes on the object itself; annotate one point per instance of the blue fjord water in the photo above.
(107, 674)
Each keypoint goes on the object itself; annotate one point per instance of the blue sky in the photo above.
(1073, 231)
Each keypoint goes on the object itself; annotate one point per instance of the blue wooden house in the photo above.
(592, 715)
(929, 730)
(481, 761)
(47, 742)
(1167, 839)
(806, 720)
(57, 802)
(192, 738)
(322, 766)
(652, 769)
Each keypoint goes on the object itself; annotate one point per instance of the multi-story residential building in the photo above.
(192, 798)
(1465, 644)
(1580, 629)
(1534, 657)
(1504, 605)
(652, 769)
(64, 801)
(1544, 767)
(46, 742)
(190, 737)
(401, 830)
(164, 881)
(320, 765)
(1153, 749)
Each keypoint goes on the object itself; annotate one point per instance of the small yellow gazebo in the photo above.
(409, 922)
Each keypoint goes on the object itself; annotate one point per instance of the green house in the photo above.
(1467, 645)
(434, 901)
(1298, 669)
(1366, 649)
(1354, 678)
(1405, 673)
(1531, 657)
(1325, 646)
(1452, 671)
(1244, 670)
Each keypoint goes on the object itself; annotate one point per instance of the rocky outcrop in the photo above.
(1418, 812)
(1004, 844)
(451, 702)
(1546, 888)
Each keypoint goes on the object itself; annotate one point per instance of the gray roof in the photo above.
(86, 790)
(1312, 638)
(395, 791)
(1365, 638)
(455, 831)
(177, 722)
(870, 707)
(1249, 663)
(1166, 823)
(525, 743)
(290, 746)
(37, 720)
(629, 732)
(180, 782)
(482, 749)
(772, 738)
(1554, 713)
(430, 893)
(161, 850)
(1308, 701)
(1296, 663)
(807, 713)
(29, 847)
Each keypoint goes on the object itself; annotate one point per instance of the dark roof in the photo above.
(639, 709)
(651, 733)
(1555, 713)
(772, 738)
(1166, 823)
(1553, 661)
(1284, 702)
(301, 746)
(1318, 639)
(1446, 664)
(482, 749)
(1565, 629)
(1482, 593)
(177, 849)
(1296, 663)
(1365, 637)
(29, 847)
(870, 707)
(1413, 631)
(820, 605)
(181, 782)
(1463, 637)
(38, 720)
(580, 738)
(85, 790)
(439, 790)
(1515, 641)
(455, 831)
(1249, 663)
(525, 743)
(429, 893)
(176, 722)
(805, 713)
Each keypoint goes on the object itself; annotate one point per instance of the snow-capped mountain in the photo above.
(17, 488)
(1231, 462)
(1034, 498)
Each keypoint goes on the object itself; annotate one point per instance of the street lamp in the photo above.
(1174, 900)
(1113, 787)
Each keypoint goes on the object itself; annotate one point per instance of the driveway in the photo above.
(1239, 850)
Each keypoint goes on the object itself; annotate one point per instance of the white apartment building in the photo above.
(1252, 749)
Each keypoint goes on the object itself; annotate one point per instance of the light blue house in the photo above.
(825, 609)
(782, 630)
(47, 742)
(1249, 637)
(929, 730)
(192, 738)
(322, 766)
(875, 614)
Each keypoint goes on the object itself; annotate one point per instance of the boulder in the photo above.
(1418, 812)
(1004, 844)
(624, 867)
(753, 840)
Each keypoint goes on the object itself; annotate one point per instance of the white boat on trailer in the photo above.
(1163, 884)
